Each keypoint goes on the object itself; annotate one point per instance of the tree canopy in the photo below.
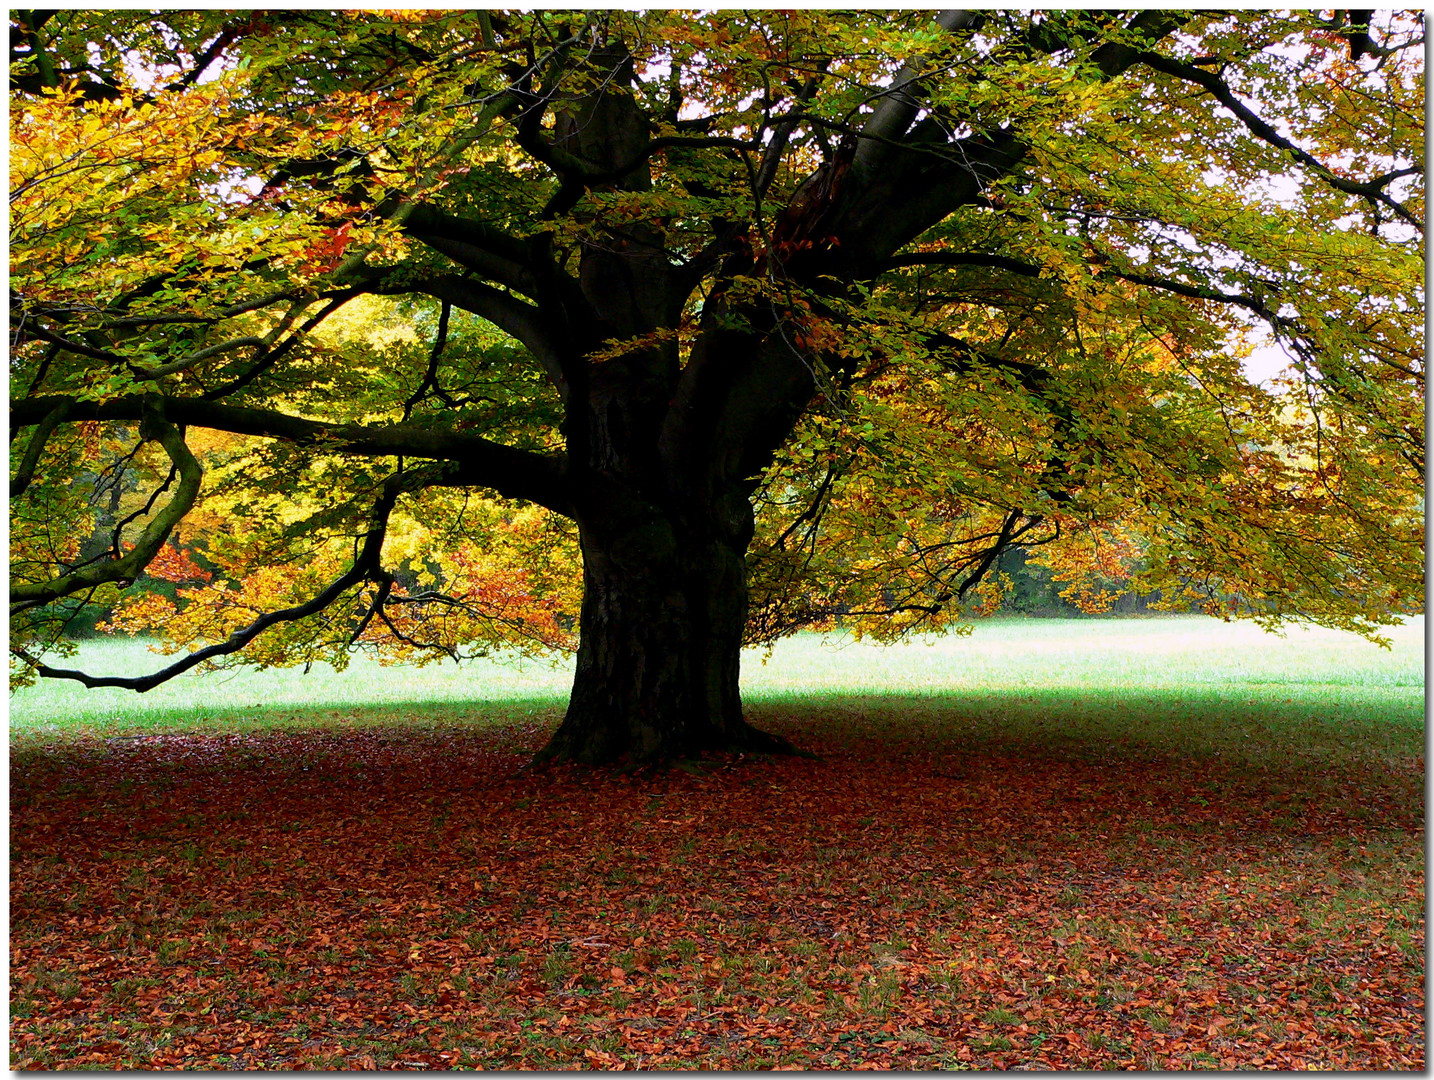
(651, 334)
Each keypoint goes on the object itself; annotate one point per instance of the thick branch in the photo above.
(782, 132)
(46, 427)
(902, 101)
(476, 246)
(517, 474)
(523, 321)
(1373, 190)
(153, 425)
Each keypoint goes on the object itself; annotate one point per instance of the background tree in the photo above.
(774, 317)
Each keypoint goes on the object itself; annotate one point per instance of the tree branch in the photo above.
(902, 100)
(224, 39)
(525, 322)
(79, 348)
(781, 133)
(517, 474)
(365, 565)
(182, 364)
(153, 425)
(1372, 191)
(430, 376)
(476, 246)
(1244, 300)
(267, 357)
(46, 427)
(962, 258)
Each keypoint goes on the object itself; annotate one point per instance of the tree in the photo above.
(781, 318)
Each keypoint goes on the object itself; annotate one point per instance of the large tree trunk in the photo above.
(664, 608)
(658, 472)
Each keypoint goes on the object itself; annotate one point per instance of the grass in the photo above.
(1013, 671)
(1165, 843)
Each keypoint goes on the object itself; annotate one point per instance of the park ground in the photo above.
(1165, 843)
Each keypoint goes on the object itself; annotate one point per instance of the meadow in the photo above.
(1149, 843)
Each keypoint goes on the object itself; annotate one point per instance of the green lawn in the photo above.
(1187, 685)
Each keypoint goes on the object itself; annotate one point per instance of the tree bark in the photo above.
(663, 527)
(664, 609)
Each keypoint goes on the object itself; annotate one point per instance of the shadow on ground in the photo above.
(946, 887)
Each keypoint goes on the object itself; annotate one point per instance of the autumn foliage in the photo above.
(440, 332)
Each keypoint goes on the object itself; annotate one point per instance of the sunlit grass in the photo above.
(1165, 653)
(248, 698)
(1091, 687)
(1174, 687)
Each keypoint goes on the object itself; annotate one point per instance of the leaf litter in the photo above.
(409, 898)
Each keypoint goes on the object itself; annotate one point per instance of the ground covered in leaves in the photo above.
(411, 897)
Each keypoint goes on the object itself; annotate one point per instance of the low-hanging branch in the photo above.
(366, 566)
(153, 426)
